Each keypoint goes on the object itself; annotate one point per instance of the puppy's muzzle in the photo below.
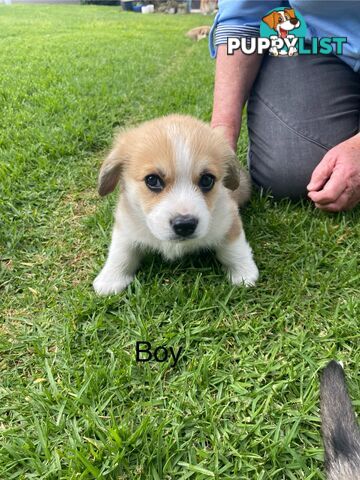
(184, 225)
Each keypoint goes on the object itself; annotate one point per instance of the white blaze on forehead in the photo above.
(182, 153)
(184, 198)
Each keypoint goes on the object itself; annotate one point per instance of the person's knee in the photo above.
(280, 159)
(285, 168)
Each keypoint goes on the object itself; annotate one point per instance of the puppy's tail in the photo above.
(340, 431)
(242, 194)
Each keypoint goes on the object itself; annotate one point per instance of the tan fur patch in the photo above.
(198, 33)
(235, 228)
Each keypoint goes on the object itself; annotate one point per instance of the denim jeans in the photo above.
(299, 108)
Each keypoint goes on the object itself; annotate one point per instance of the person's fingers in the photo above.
(322, 172)
(331, 207)
(344, 202)
(331, 191)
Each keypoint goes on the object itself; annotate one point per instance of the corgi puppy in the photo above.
(181, 185)
(340, 430)
(198, 33)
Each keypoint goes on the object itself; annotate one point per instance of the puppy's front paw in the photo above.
(109, 284)
(245, 276)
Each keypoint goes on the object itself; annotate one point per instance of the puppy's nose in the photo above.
(293, 21)
(184, 225)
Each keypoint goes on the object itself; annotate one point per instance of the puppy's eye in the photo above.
(280, 20)
(154, 182)
(206, 182)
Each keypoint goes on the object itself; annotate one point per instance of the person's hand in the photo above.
(335, 182)
(229, 132)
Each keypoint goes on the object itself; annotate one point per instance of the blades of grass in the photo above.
(197, 469)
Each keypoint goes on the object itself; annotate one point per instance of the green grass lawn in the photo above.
(242, 402)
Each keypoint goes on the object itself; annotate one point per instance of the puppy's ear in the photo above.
(232, 175)
(112, 166)
(270, 20)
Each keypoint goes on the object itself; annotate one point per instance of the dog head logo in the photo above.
(283, 26)
(282, 21)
